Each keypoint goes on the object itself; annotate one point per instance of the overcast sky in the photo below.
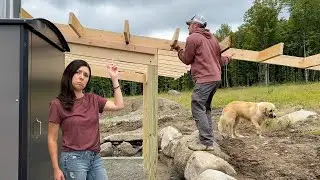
(155, 18)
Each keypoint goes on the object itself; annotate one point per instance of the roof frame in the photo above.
(76, 33)
(168, 62)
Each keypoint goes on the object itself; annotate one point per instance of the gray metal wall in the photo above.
(46, 64)
(9, 107)
(45, 67)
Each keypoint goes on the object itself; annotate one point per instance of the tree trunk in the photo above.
(266, 75)
(227, 81)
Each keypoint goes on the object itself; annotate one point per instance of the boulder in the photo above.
(297, 116)
(135, 135)
(106, 149)
(200, 161)
(173, 92)
(169, 140)
(182, 152)
(211, 174)
(126, 149)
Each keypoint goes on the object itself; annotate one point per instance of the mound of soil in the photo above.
(284, 154)
(130, 118)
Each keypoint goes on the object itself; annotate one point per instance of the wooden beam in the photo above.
(150, 123)
(111, 45)
(284, 60)
(75, 24)
(100, 71)
(126, 31)
(317, 68)
(112, 54)
(24, 14)
(240, 54)
(163, 70)
(311, 61)
(109, 36)
(225, 44)
(175, 38)
(145, 125)
(270, 52)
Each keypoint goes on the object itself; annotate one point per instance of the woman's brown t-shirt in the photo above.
(80, 127)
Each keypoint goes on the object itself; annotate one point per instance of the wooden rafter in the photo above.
(270, 52)
(100, 71)
(126, 31)
(256, 56)
(225, 44)
(116, 54)
(111, 45)
(165, 70)
(240, 54)
(75, 24)
(317, 68)
(311, 61)
(175, 37)
(25, 14)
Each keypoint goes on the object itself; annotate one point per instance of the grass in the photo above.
(287, 95)
(315, 132)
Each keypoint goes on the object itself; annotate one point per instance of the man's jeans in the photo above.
(82, 165)
(201, 110)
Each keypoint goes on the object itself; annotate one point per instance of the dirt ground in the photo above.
(282, 155)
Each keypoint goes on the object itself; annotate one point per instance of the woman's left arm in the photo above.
(118, 103)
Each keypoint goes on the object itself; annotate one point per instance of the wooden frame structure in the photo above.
(143, 59)
(274, 55)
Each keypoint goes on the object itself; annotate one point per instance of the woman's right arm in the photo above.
(53, 131)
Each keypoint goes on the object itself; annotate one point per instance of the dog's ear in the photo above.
(262, 108)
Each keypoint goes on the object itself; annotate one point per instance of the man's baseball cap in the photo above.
(197, 19)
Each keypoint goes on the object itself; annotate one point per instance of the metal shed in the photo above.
(32, 61)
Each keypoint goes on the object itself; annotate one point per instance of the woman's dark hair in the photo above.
(66, 95)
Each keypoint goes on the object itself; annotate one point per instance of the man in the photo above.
(203, 53)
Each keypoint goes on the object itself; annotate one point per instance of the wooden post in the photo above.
(150, 122)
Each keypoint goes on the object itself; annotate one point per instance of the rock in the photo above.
(173, 92)
(211, 174)
(135, 135)
(168, 134)
(285, 111)
(106, 149)
(294, 117)
(160, 135)
(170, 149)
(200, 161)
(168, 161)
(182, 152)
(126, 149)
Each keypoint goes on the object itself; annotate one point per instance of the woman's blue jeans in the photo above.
(82, 165)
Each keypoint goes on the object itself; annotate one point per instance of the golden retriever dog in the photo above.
(251, 111)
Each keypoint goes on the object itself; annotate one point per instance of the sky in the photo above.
(153, 18)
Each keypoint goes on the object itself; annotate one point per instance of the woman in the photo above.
(77, 114)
